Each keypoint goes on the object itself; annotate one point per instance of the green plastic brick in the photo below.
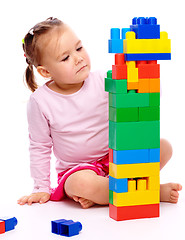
(154, 99)
(109, 74)
(129, 100)
(116, 86)
(123, 114)
(134, 135)
(149, 114)
(110, 196)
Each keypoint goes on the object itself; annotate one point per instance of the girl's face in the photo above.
(65, 60)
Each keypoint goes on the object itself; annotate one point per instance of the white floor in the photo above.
(35, 222)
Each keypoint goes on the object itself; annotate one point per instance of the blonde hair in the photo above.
(32, 49)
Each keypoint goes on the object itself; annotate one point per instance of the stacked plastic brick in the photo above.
(134, 119)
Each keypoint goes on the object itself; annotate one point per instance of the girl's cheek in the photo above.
(88, 60)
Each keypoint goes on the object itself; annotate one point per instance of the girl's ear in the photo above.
(43, 72)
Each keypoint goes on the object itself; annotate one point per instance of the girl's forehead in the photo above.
(67, 37)
(61, 39)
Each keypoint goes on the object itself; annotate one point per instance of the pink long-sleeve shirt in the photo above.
(75, 126)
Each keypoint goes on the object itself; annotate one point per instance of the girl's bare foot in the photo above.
(85, 203)
(169, 192)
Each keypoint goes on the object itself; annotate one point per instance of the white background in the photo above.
(92, 21)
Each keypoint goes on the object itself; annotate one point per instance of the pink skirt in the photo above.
(101, 167)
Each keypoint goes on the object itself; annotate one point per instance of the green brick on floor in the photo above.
(154, 99)
(123, 114)
(129, 100)
(149, 113)
(134, 135)
(110, 196)
(116, 86)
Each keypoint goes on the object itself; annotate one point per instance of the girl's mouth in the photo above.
(81, 68)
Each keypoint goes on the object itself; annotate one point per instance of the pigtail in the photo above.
(30, 78)
(29, 53)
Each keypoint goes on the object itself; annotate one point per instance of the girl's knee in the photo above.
(166, 149)
(165, 152)
(80, 183)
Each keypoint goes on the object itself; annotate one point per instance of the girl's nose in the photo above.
(78, 59)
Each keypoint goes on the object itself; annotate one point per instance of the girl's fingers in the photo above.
(23, 200)
(30, 201)
(44, 199)
(34, 198)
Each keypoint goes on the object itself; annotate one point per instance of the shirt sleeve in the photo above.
(40, 147)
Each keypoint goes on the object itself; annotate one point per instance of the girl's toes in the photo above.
(179, 187)
(76, 199)
(85, 203)
(174, 196)
(176, 186)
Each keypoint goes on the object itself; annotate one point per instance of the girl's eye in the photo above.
(65, 59)
(80, 48)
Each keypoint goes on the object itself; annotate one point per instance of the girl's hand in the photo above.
(40, 197)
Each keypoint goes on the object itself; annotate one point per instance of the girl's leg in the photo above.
(168, 191)
(165, 152)
(87, 188)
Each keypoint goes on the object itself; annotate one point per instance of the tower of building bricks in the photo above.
(134, 119)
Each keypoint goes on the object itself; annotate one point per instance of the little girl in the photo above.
(69, 114)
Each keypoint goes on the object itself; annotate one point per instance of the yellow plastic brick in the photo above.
(131, 185)
(135, 198)
(134, 46)
(153, 183)
(141, 184)
(134, 170)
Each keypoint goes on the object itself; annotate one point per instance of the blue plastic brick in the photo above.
(131, 156)
(10, 223)
(143, 20)
(154, 155)
(116, 46)
(147, 56)
(66, 228)
(115, 33)
(115, 43)
(118, 185)
(55, 225)
(145, 28)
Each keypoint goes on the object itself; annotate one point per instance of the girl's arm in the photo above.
(40, 151)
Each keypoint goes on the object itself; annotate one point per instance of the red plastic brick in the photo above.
(2, 227)
(133, 212)
(119, 71)
(119, 59)
(148, 69)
